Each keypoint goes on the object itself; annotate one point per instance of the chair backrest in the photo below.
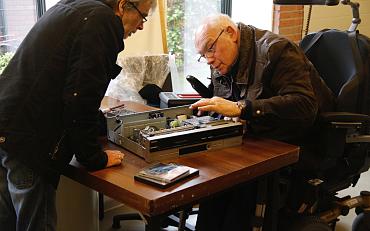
(343, 61)
(338, 60)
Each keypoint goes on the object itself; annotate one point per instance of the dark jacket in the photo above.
(51, 90)
(284, 92)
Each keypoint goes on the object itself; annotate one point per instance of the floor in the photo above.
(106, 223)
(363, 185)
(343, 225)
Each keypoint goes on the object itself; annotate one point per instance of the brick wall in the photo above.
(288, 21)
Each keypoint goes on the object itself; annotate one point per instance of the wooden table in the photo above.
(218, 170)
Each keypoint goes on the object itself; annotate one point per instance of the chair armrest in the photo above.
(307, 2)
(358, 138)
(344, 119)
(347, 120)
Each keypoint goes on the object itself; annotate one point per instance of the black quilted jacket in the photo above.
(52, 88)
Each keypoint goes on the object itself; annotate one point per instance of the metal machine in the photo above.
(167, 133)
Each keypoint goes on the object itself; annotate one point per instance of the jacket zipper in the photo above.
(56, 148)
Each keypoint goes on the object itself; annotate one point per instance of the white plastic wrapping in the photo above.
(137, 71)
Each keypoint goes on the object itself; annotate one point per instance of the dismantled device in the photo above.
(166, 133)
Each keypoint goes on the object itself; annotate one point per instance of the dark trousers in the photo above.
(231, 210)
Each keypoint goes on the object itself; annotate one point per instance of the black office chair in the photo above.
(342, 150)
(150, 92)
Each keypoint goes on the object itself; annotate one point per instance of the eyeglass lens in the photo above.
(210, 51)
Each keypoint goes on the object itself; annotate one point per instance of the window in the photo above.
(50, 3)
(183, 18)
(16, 18)
(258, 15)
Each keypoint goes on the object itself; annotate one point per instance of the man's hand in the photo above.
(114, 157)
(218, 105)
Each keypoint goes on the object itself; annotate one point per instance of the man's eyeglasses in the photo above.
(141, 14)
(211, 50)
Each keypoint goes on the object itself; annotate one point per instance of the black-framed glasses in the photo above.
(141, 14)
(211, 50)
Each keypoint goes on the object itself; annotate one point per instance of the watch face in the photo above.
(241, 104)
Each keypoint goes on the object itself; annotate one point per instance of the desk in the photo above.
(218, 170)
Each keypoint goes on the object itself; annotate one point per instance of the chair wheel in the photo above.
(310, 223)
(361, 222)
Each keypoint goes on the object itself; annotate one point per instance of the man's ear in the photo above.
(232, 33)
(121, 6)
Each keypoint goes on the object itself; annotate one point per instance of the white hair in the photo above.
(219, 22)
(212, 25)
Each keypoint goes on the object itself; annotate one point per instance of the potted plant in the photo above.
(4, 60)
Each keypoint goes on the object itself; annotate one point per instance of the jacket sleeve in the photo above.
(293, 103)
(91, 64)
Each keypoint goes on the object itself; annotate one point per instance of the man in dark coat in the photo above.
(267, 81)
(50, 95)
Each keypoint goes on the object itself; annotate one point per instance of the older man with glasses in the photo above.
(266, 80)
(131, 10)
(50, 95)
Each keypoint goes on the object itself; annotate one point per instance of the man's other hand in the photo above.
(114, 157)
(218, 105)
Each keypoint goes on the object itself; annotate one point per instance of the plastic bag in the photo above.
(137, 71)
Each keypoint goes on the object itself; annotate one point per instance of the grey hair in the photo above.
(219, 21)
(114, 3)
(212, 25)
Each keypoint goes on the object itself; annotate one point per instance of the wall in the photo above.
(288, 21)
(77, 207)
(147, 41)
(338, 17)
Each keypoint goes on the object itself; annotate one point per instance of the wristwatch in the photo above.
(242, 105)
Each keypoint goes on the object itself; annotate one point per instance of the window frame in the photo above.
(40, 8)
(2, 19)
(226, 7)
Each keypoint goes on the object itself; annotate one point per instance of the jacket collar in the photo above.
(243, 64)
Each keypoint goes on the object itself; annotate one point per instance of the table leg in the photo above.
(153, 223)
(101, 206)
(267, 206)
(260, 204)
(272, 214)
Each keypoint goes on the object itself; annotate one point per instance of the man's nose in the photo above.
(141, 26)
(210, 60)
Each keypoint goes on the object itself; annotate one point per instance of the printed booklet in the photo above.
(164, 175)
